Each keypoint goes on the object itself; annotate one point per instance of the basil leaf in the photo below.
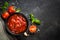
(31, 16)
(6, 4)
(33, 19)
(37, 21)
(18, 10)
(4, 7)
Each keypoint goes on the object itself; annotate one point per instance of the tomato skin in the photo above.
(32, 28)
(11, 9)
(5, 15)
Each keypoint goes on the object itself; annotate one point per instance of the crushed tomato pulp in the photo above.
(17, 23)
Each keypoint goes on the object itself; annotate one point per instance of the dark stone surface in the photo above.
(48, 11)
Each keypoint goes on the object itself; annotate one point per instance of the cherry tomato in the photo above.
(32, 28)
(5, 15)
(11, 9)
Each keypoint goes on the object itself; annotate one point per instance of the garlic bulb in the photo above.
(25, 33)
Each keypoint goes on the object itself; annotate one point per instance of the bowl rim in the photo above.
(7, 29)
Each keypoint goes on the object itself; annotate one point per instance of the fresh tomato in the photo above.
(11, 9)
(32, 28)
(5, 15)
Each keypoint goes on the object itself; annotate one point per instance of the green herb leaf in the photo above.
(37, 21)
(4, 7)
(18, 10)
(33, 19)
(6, 4)
(31, 16)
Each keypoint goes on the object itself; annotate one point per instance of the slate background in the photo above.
(48, 11)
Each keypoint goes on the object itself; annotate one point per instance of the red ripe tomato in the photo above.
(5, 15)
(11, 9)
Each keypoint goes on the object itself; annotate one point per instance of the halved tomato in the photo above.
(32, 28)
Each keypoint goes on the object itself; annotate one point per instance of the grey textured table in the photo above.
(48, 11)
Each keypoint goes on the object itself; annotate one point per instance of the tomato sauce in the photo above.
(17, 24)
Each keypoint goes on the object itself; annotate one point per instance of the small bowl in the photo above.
(7, 29)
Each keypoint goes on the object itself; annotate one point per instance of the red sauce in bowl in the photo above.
(17, 24)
